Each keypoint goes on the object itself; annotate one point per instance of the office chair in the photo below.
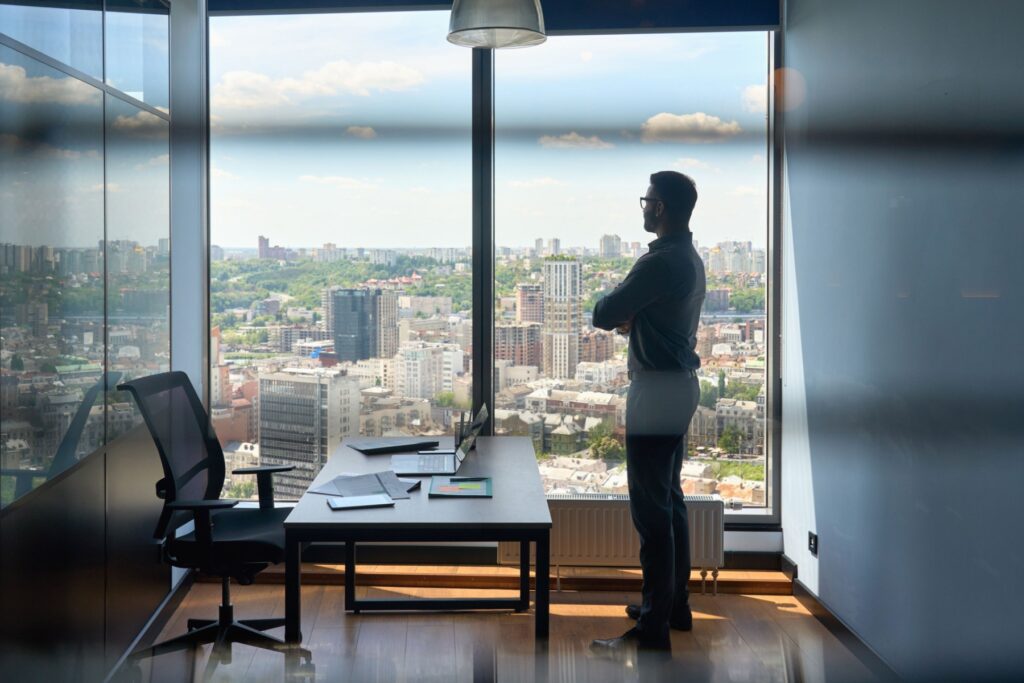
(65, 456)
(226, 542)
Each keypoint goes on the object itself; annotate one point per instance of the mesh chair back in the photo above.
(192, 458)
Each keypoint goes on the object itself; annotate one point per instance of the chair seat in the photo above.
(240, 536)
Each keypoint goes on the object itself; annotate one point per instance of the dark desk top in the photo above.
(518, 499)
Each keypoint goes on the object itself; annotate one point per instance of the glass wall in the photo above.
(138, 253)
(581, 124)
(341, 284)
(83, 211)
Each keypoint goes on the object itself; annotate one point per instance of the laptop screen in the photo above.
(474, 431)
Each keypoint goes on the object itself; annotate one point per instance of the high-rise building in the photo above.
(554, 246)
(519, 343)
(424, 369)
(563, 317)
(529, 303)
(303, 416)
(538, 247)
(596, 346)
(364, 322)
(611, 246)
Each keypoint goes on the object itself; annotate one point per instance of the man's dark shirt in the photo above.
(662, 296)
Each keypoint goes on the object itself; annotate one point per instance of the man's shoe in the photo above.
(631, 638)
(682, 622)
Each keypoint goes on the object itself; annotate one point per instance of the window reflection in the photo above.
(138, 251)
(51, 272)
(136, 46)
(70, 32)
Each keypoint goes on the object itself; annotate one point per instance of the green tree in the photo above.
(607, 448)
(242, 490)
(445, 399)
(721, 383)
(708, 394)
(729, 441)
(17, 364)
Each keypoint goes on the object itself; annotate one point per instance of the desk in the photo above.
(517, 512)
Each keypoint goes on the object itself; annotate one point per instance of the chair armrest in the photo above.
(265, 481)
(201, 514)
(265, 468)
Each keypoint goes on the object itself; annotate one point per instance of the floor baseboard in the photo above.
(848, 638)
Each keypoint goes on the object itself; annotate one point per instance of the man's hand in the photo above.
(624, 328)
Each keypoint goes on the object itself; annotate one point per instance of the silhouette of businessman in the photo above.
(658, 306)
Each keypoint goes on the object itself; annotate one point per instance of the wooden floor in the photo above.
(735, 638)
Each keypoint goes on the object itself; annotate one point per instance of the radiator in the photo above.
(593, 529)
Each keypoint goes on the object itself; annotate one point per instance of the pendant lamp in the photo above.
(496, 23)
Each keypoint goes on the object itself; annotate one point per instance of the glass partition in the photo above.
(138, 253)
(70, 32)
(51, 272)
(136, 42)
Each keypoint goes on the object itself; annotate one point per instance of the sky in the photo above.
(360, 136)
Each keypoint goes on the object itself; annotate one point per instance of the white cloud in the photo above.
(749, 191)
(755, 98)
(111, 187)
(222, 174)
(159, 160)
(12, 144)
(573, 140)
(535, 182)
(586, 56)
(250, 90)
(691, 163)
(142, 123)
(361, 132)
(17, 86)
(697, 127)
(339, 182)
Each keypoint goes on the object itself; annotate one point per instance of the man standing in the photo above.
(658, 306)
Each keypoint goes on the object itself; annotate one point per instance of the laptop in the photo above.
(397, 444)
(441, 462)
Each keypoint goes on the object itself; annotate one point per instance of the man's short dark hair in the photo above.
(678, 192)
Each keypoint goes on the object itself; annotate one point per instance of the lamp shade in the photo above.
(496, 23)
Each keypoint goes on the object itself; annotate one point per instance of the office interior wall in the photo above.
(902, 372)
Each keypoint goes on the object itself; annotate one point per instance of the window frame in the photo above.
(483, 221)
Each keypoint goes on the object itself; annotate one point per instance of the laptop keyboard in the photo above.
(433, 462)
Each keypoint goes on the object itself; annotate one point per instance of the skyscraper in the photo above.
(529, 303)
(611, 246)
(364, 322)
(303, 415)
(563, 317)
(519, 343)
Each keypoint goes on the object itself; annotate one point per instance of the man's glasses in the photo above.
(645, 200)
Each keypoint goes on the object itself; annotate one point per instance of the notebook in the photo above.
(461, 487)
(351, 502)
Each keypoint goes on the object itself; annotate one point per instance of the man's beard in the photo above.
(649, 224)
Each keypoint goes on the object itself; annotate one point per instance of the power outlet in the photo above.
(812, 543)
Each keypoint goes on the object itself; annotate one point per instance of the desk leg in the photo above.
(524, 576)
(292, 589)
(350, 576)
(543, 581)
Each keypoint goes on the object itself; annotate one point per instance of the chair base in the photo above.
(222, 632)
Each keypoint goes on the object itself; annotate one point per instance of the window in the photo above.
(341, 280)
(340, 231)
(581, 123)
